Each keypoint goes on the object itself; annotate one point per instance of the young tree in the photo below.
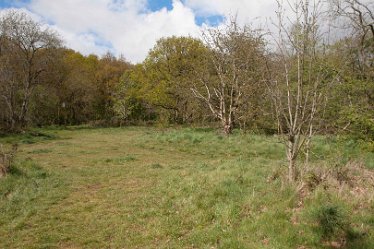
(232, 70)
(26, 49)
(298, 78)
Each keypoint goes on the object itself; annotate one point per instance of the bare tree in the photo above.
(25, 52)
(230, 72)
(297, 77)
(355, 20)
(359, 13)
(357, 16)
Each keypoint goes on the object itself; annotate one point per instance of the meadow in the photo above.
(141, 187)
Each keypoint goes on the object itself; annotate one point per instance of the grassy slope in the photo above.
(149, 188)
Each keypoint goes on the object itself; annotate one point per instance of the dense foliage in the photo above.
(43, 83)
(221, 79)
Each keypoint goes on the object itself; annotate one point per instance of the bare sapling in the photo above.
(297, 79)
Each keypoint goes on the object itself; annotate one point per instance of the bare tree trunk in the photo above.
(308, 144)
(291, 146)
(13, 123)
(13, 118)
(227, 127)
(24, 110)
(291, 170)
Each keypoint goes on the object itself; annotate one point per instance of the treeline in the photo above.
(43, 83)
(301, 79)
(234, 76)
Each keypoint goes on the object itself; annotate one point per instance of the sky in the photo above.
(132, 27)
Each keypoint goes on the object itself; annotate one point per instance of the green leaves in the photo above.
(161, 84)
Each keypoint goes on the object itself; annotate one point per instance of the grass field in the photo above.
(174, 188)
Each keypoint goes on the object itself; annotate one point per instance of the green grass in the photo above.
(167, 188)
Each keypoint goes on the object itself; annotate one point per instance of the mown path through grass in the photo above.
(149, 188)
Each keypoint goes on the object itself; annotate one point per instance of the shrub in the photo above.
(326, 220)
(331, 222)
(6, 159)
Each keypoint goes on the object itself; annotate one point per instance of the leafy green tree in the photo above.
(129, 100)
(107, 76)
(163, 81)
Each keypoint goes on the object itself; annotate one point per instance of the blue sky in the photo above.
(155, 5)
(132, 27)
(159, 4)
(152, 5)
(12, 3)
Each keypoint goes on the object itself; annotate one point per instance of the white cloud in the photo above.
(245, 10)
(26, 11)
(127, 27)
(125, 24)
(149, 27)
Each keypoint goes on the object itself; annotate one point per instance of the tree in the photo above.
(108, 74)
(358, 15)
(298, 78)
(169, 67)
(26, 49)
(232, 70)
(162, 81)
(130, 103)
(77, 89)
(356, 47)
(76, 86)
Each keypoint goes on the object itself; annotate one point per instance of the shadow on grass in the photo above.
(29, 137)
(28, 189)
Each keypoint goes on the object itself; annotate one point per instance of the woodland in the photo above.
(306, 84)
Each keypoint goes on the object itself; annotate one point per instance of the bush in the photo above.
(6, 159)
(326, 219)
(332, 223)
